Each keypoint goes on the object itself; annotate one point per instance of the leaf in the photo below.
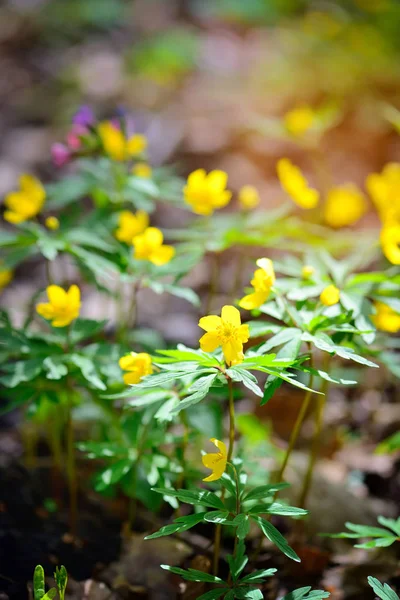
(113, 474)
(88, 370)
(193, 574)
(52, 593)
(61, 579)
(248, 379)
(66, 191)
(179, 525)
(54, 367)
(367, 531)
(85, 328)
(276, 538)
(242, 524)
(281, 509)
(93, 239)
(383, 591)
(323, 342)
(304, 593)
(175, 290)
(238, 561)
(217, 516)
(390, 524)
(102, 449)
(200, 389)
(378, 543)
(287, 334)
(196, 497)
(263, 491)
(50, 246)
(22, 370)
(258, 576)
(272, 384)
(38, 582)
(213, 594)
(249, 593)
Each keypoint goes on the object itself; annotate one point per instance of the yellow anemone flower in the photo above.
(63, 307)
(216, 461)
(137, 365)
(344, 205)
(142, 169)
(116, 145)
(131, 224)
(299, 120)
(384, 189)
(27, 202)
(206, 192)
(295, 184)
(52, 223)
(330, 295)
(307, 271)
(386, 319)
(149, 246)
(226, 331)
(6, 276)
(249, 197)
(262, 282)
(390, 242)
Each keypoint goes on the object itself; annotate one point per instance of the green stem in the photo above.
(237, 512)
(217, 538)
(49, 276)
(71, 470)
(132, 310)
(316, 441)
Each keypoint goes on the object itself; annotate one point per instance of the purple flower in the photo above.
(60, 154)
(84, 116)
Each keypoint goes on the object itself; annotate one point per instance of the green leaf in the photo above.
(281, 509)
(285, 335)
(378, 543)
(367, 531)
(38, 583)
(113, 474)
(66, 191)
(85, 328)
(238, 561)
(217, 516)
(22, 370)
(179, 525)
(391, 444)
(258, 576)
(200, 389)
(305, 593)
(61, 579)
(242, 523)
(263, 491)
(175, 290)
(54, 367)
(50, 246)
(272, 384)
(88, 370)
(102, 449)
(248, 593)
(383, 591)
(93, 239)
(196, 497)
(276, 538)
(213, 594)
(390, 524)
(52, 593)
(193, 574)
(248, 379)
(324, 343)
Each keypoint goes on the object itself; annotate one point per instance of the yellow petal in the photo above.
(13, 217)
(154, 237)
(330, 295)
(209, 342)
(127, 362)
(74, 296)
(217, 180)
(243, 333)
(162, 255)
(233, 352)
(220, 445)
(45, 310)
(231, 315)
(56, 295)
(210, 323)
(131, 378)
(63, 321)
(136, 144)
(196, 178)
(252, 301)
(221, 199)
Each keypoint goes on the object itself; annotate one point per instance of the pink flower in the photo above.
(74, 136)
(60, 154)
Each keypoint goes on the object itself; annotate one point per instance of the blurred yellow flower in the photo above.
(63, 307)
(249, 197)
(307, 271)
(226, 331)
(131, 224)
(149, 246)
(390, 242)
(384, 189)
(6, 276)
(295, 184)
(344, 205)
(206, 192)
(142, 169)
(52, 223)
(216, 461)
(116, 145)
(137, 365)
(262, 282)
(386, 319)
(330, 295)
(299, 120)
(27, 202)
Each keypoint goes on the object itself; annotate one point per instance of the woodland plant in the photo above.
(318, 301)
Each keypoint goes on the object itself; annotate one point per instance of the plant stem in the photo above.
(217, 538)
(237, 512)
(132, 311)
(215, 265)
(48, 272)
(319, 419)
(299, 422)
(71, 470)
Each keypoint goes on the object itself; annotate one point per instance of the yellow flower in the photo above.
(136, 365)
(27, 202)
(249, 197)
(384, 189)
(131, 224)
(390, 241)
(6, 276)
(115, 143)
(206, 192)
(344, 205)
(149, 246)
(225, 331)
(307, 271)
(386, 319)
(216, 461)
(299, 120)
(52, 223)
(63, 307)
(262, 282)
(142, 169)
(330, 295)
(294, 184)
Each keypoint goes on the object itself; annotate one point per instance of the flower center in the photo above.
(226, 332)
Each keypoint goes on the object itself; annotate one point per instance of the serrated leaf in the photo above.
(305, 593)
(200, 389)
(213, 594)
(217, 516)
(242, 524)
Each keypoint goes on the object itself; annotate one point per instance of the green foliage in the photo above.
(383, 591)
(61, 578)
(39, 586)
(381, 538)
